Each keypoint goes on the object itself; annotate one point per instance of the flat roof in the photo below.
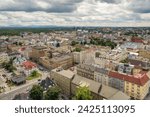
(60, 58)
(107, 91)
(81, 81)
(120, 96)
(67, 73)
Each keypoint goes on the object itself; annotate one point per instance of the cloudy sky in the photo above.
(75, 12)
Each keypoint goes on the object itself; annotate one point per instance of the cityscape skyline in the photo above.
(111, 13)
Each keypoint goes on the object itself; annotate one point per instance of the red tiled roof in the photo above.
(22, 49)
(29, 65)
(140, 79)
(137, 40)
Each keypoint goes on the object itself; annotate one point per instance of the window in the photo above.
(138, 96)
(138, 89)
(132, 84)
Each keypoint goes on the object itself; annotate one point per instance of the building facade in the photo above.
(135, 86)
(101, 75)
(4, 58)
(85, 70)
(63, 79)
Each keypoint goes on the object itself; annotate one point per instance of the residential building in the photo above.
(104, 58)
(137, 40)
(64, 61)
(98, 90)
(25, 51)
(37, 52)
(63, 79)
(13, 48)
(28, 67)
(125, 68)
(18, 80)
(4, 58)
(101, 75)
(135, 86)
(144, 53)
(79, 57)
(86, 70)
(3, 46)
(132, 46)
(86, 56)
(144, 63)
(115, 82)
(19, 60)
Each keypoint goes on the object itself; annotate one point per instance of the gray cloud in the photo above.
(139, 6)
(74, 12)
(39, 5)
(110, 1)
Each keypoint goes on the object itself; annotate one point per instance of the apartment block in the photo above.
(63, 79)
(4, 57)
(101, 75)
(86, 70)
(135, 86)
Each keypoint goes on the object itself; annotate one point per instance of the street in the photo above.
(19, 89)
(9, 95)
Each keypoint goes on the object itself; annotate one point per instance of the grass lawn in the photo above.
(34, 77)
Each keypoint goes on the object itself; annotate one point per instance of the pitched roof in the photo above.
(29, 65)
(18, 79)
(139, 79)
(137, 40)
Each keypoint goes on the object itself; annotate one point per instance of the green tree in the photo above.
(36, 93)
(34, 73)
(78, 49)
(52, 93)
(73, 43)
(9, 66)
(83, 93)
(20, 43)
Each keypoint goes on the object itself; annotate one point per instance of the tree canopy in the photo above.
(102, 42)
(52, 93)
(9, 65)
(83, 93)
(36, 93)
(77, 49)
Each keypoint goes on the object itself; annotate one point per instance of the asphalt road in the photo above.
(9, 95)
(19, 89)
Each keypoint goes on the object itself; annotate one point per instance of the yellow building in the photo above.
(136, 91)
(135, 86)
(144, 53)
